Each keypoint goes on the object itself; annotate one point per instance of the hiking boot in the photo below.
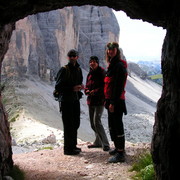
(94, 146)
(113, 151)
(118, 157)
(106, 148)
(77, 149)
(72, 152)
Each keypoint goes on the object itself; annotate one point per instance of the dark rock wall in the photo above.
(5, 139)
(166, 135)
(152, 11)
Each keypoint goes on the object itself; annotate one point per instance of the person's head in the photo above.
(112, 50)
(93, 62)
(73, 56)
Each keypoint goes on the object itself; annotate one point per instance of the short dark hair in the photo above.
(94, 58)
(73, 52)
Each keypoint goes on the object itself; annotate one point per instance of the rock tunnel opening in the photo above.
(29, 60)
(28, 134)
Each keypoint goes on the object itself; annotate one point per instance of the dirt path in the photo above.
(90, 164)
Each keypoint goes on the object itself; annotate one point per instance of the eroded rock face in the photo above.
(5, 144)
(5, 139)
(98, 26)
(40, 43)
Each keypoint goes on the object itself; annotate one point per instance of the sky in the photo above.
(139, 40)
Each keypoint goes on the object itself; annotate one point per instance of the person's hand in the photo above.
(111, 108)
(87, 92)
(91, 92)
(77, 88)
(82, 86)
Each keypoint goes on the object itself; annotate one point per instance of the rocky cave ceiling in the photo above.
(153, 11)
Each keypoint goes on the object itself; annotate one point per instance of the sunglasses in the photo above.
(112, 45)
(72, 56)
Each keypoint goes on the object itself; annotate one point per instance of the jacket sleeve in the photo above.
(61, 85)
(119, 82)
(86, 86)
(81, 76)
(100, 89)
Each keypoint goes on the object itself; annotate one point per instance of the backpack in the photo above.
(56, 93)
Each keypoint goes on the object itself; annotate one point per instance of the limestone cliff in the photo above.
(98, 26)
(40, 42)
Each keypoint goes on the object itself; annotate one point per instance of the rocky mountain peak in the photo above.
(40, 43)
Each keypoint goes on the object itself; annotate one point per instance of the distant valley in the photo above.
(147, 70)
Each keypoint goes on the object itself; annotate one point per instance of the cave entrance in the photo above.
(39, 104)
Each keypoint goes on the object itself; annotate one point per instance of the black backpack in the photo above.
(56, 93)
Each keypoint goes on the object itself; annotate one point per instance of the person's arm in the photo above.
(81, 76)
(120, 77)
(86, 90)
(78, 85)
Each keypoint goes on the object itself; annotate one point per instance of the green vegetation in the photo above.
(144, 168)
(10, 99)
(156, 76)
(16, 173)
(13, 119)
(49, 147)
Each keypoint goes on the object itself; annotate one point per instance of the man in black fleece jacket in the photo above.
(69, 85)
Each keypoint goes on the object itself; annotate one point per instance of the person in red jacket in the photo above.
(114, 91)
(95, 100)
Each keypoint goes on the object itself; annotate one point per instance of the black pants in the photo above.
(116, 127)
(71, 122)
